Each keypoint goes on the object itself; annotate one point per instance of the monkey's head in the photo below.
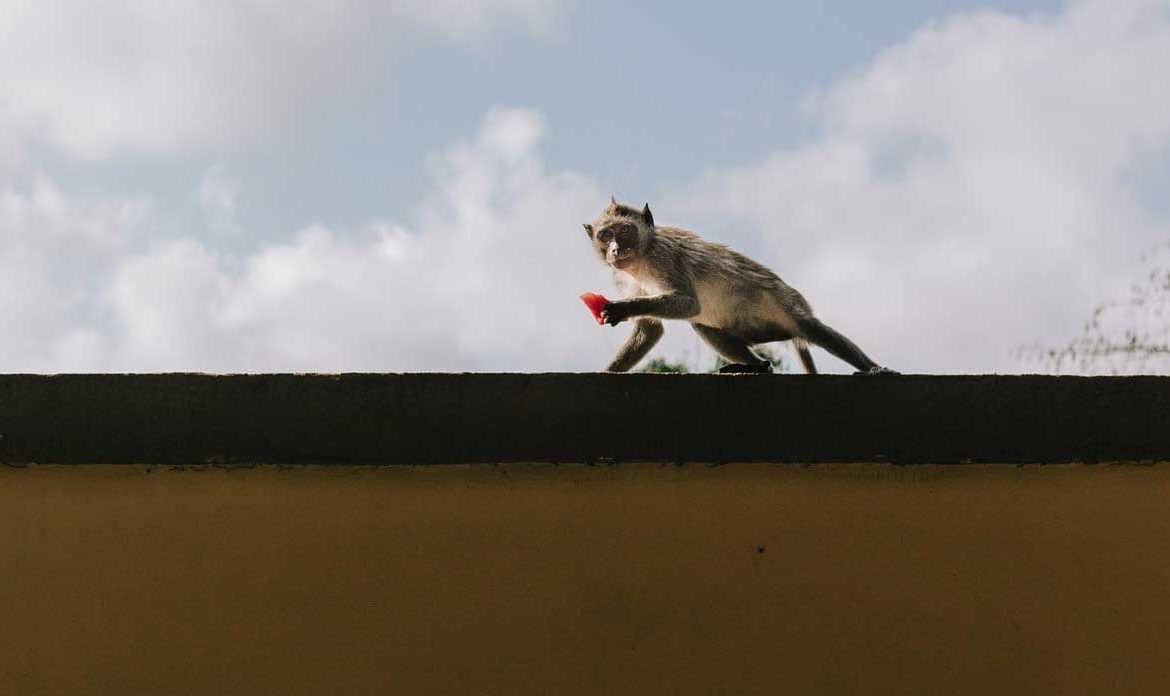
(621, 234)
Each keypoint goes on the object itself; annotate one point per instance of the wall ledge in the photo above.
(418, 418)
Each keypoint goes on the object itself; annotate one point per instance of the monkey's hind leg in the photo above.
(806, 358)
(733, 349)
(820, 333)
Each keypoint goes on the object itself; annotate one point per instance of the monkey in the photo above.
(731, 301)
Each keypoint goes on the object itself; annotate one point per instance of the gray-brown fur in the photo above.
(732, 301)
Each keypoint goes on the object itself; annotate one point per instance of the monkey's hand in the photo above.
(615, 313)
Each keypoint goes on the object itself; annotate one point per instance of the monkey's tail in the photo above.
(805, 356)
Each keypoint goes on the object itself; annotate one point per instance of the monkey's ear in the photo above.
(588, 230)
(647, 215)
(612, 200)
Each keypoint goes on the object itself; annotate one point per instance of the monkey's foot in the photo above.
(740, 369)
(877, 370)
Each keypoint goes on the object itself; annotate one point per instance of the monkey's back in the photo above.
(734, 292)
(706, 262)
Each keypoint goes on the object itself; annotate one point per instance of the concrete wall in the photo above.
(538, 578)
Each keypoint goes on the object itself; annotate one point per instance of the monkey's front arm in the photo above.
(646, 333)
(667, 306)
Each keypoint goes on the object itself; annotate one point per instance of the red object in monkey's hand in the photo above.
(595, 303)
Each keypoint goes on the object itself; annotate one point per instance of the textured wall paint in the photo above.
(535, 579)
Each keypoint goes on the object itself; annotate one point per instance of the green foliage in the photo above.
(664, 366)
(1121, 336)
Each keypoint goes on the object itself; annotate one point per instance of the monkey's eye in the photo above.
(626, 236)
(605, 235)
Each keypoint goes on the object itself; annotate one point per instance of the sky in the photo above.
(360, 185)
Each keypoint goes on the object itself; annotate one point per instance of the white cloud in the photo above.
(217, 194)
(973, 187)
(487, 278)
(57, 254)
(98, 78)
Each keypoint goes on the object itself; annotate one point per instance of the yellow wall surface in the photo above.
(540, 579)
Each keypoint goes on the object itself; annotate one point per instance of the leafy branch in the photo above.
(1122, 336)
